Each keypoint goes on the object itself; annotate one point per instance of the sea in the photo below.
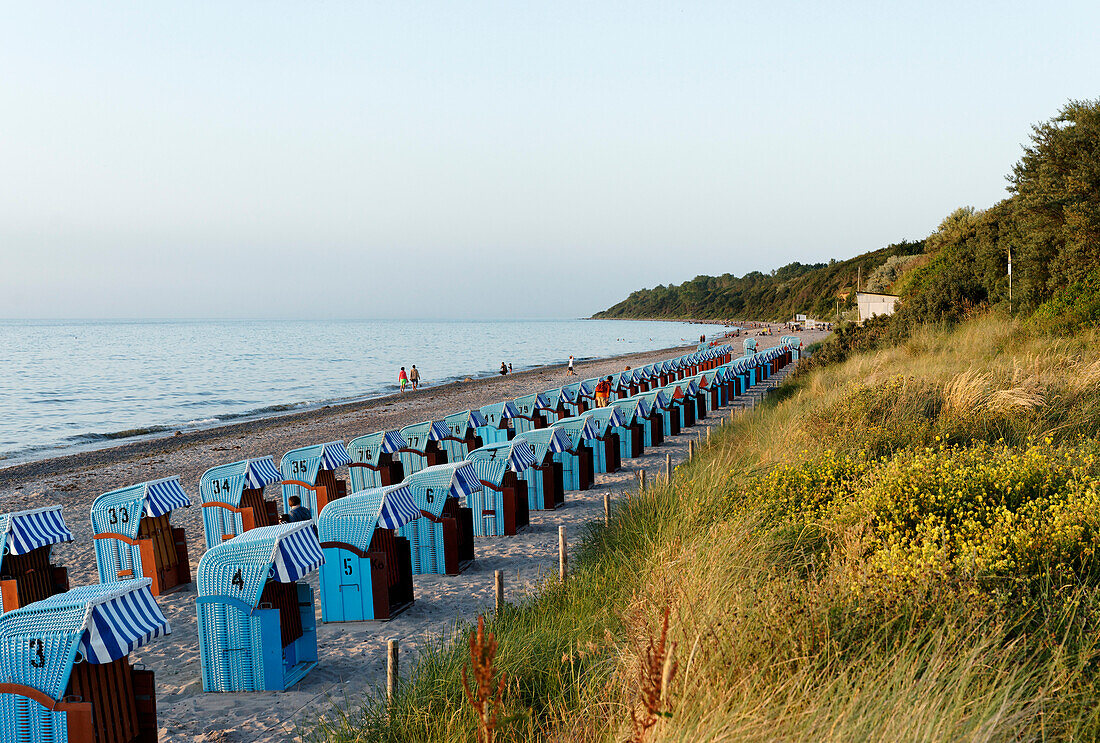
(74, 385)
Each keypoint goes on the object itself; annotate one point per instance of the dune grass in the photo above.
(898, 547)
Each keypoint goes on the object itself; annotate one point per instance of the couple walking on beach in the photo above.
(412, 377)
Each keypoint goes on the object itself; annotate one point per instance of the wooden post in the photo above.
(641, 480)
(500, 590)
(691, 449)
(607, 507)
(391, 670)
(708, 434)
(563, 555)
(668, 468)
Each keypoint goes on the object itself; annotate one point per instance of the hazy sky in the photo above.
(474, 159)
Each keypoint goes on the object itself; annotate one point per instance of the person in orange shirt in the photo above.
(603, 392)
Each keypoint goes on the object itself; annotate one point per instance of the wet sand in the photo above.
(352, 655)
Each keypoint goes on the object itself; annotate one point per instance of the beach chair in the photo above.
(257, 627)
(574, 399)
(65, 673)
(26, 541)
(310, 474)
(545, 478)
(655, 402)
(233, 498)
(442, 538)
(557, 405)
(647, 377)
(424, 446)
(661, 400)
(530, 413)
(373, 462)
(749, 344)
(632, 431)
(498, 422)
(134, 536)
(702, 396)
(679, 405)
(463, 438)
(578, 465)
(501, 508)
(367, 573)
(606, 456)
(621, 385)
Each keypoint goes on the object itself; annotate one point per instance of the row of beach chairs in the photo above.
(419, 496)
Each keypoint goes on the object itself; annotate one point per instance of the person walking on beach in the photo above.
(403, 379)
(570, 373)
(414, 377)
(603, 392)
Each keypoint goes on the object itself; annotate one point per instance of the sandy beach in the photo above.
(352, 654)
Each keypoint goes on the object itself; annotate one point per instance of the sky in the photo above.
(493, 159)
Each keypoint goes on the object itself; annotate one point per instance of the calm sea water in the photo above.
(73, 385)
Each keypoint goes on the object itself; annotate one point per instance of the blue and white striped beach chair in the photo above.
(424, 446)
(26, 541)
(531, 413)
(374, 462)
(257, 627)
(501, 508)
(499, 419)
(578, 467)
(442, 539)
(65, 674)
(557, 405)
(233, 498)
(606, 456)
(464, 436)
(367, 572)
(545, 478)
(632, 432)
(310, 474)
(134, 537)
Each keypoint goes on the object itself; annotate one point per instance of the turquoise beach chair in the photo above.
(464, 436)
(606, 456)
(557, 405)
(660, 400)
(425, 446)
(134, 537)
(373, 462)
(632, 432)
(501, 508)
(531, 412)
(65, 674)
(578, 467)
(233, 498)
(257, 627)
(26, 541)
(574, 398)
(545, 478)
(367, 573)
(310, 474)
(442, 538)
(498, 422)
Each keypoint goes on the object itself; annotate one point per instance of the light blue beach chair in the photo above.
(574, 398)
(425, 446)
(374, 463)
(367, 573)
(531, 413)
(26, 541)
(257, 627)
(442, 538)
(498, 422)
(134, 537)
(464, 437)
(310, 474)
(632, 432)
(233, 498)
(578, 466)
(65, 674)
(545, 478)
(501, 508)
(606, 456)
(558, 402)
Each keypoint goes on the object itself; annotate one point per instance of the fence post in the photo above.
(391, 670)
(499, 575)
(607, 507)
(691, 449)
(641, 480)
(668, 468)
(563, 555)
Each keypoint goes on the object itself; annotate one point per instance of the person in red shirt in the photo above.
(603, 392)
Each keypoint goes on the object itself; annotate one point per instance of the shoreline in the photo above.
(163, 442)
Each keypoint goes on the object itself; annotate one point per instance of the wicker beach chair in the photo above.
(499, 420)
(310, 474)
(424, 446)
(134, 536)
(257, 628)
(558, 401)
(367, 572)
(26, 541)
(442, 539)
(233, 498)
(578, 467)
(464, 436)
(606, 456)
(501, 508)
(749, 346)
(530, 413)
(545, 478)
(632, 432)
(374, 463)
(65, 674)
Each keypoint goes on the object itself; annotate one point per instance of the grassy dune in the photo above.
(898, 547)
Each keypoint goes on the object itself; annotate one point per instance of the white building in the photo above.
(874, 304)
